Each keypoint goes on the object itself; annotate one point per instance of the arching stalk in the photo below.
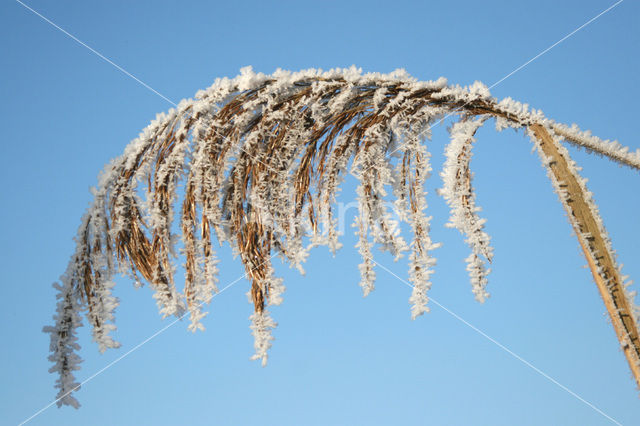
(593, 243)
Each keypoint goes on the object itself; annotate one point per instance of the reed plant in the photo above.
(257, 162)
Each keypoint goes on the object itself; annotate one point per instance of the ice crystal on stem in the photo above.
(460, 196)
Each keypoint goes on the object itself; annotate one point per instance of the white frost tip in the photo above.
(261, 326)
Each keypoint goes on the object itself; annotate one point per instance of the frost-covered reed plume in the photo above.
(259, 160)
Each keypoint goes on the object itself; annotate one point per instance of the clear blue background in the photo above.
(337, 359)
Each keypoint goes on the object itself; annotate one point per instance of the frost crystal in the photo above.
(460, 196)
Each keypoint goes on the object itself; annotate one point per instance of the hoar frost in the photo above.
(260, 160)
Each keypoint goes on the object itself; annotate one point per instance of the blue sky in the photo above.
(337, 359)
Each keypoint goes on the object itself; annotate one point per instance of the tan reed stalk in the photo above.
(597, 253)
